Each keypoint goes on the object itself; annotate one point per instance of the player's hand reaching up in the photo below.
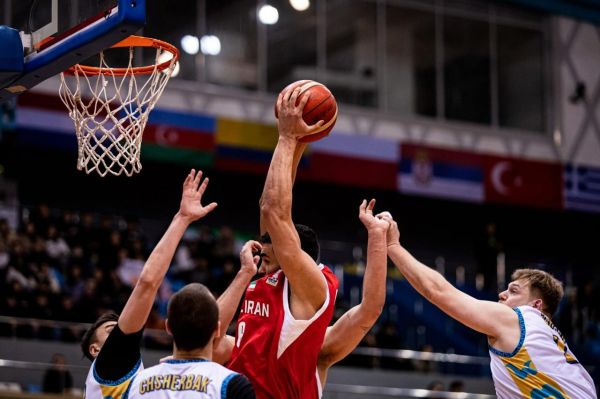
(372, 223)
(249, 257)
(289, 115)
(393, 233)
(191, 208)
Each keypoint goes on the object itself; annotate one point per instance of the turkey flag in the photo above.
(520, 182)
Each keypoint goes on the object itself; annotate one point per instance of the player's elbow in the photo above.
(271, 212)
(148, 281)
(371, 313)
(437, 291)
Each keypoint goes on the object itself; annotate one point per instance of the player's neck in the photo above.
(200, 353)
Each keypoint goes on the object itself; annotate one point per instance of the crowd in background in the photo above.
(72, 266)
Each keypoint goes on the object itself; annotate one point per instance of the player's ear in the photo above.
(538, 304)
(167, 327)
(94, 350)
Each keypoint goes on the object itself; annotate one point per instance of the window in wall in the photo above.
(351, 61)
(520, 78)
(234, 24)
(410, 61)
(291, 46)
(467, 70)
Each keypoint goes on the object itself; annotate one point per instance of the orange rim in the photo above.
(131, 41)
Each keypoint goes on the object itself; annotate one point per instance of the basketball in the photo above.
(320, 106)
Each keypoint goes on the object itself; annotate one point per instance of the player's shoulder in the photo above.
(329, 274)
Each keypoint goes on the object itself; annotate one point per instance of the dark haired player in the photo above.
(193, 321)
(348, 331)
(113, 341)
(285, 313)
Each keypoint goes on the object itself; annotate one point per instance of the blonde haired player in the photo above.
(529, 356)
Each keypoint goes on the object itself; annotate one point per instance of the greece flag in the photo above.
(582, 188)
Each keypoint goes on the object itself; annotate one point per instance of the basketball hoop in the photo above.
(110, 106)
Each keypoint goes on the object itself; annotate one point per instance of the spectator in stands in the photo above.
(57, 379)
(488, 247)
(388, 338)
(425, 366)
(436, 386)
(57, 248)
(457, 386)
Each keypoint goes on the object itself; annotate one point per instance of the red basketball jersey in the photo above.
(276, 352)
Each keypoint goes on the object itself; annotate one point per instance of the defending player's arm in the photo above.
(124, 340)
(349, 330)
(229, 300)
(307, 282)
(490, 318)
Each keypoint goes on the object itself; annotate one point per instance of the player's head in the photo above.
(535, 288)
(193, 317)
(308, 242)
(96, 335)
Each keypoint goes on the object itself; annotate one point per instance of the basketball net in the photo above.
(110, 108)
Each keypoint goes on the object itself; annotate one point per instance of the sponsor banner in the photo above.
(441, 173)
(582, 188)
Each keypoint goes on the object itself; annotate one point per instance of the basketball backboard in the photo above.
(41, 38)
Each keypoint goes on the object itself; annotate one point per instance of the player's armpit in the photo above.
(308, 285)
(344, 336)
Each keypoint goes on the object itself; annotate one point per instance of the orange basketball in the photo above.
(320, 106)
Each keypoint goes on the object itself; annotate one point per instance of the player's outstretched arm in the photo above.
(300, 147)
(229, 300)
(307, 282)
(138, 306)
(349, 330)
(490, 318)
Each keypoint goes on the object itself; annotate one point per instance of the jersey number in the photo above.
(240, 333)
(563, 348)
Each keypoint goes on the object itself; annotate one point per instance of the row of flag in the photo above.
(228, 144)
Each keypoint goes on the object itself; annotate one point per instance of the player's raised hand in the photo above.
(249, 257)
(393, 233)
(289, 121)
(191, 207)
(365, 214)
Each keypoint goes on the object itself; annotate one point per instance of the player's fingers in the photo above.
(210, 207)
(286, 97)
(362, 207)
(371, 205)
(315, 126)
(303, 100)
(279, 103)
(197, 180)
(187, 180)
(294, 98)
(202, 187)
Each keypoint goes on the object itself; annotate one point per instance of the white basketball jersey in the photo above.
(542, 366)
(98, 388)
(178, 378)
